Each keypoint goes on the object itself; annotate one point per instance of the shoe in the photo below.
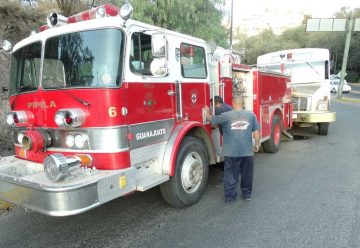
(246, 197)
(229, 201)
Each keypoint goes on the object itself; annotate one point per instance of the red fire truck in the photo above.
(105, 106)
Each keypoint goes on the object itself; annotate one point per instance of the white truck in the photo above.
(309, 70)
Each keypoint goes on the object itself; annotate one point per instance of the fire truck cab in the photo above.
(104, 106)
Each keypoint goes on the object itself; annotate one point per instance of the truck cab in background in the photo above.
(309, 70)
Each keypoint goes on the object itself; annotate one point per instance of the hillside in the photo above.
(16, 23)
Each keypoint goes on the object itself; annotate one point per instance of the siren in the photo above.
(55, 20)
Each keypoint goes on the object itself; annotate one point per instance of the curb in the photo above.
(5, 205)
(347, 99)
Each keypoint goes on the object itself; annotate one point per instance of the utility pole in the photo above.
(346, 53)
(349, 24)
(231, 23)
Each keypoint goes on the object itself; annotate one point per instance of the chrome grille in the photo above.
(300, 103)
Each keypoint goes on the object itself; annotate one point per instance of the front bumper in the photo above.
(24, 183)
(313, 117)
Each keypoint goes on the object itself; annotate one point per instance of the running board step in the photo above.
(151, 181)
(287, 134)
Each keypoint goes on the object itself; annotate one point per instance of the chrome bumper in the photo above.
(313, 117)
(24, 183)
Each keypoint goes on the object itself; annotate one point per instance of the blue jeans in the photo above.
(233, 167)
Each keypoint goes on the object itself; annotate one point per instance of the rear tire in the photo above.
(188, 184)
(272, 145)
(323, 128)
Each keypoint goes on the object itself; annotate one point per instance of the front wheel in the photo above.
(187, 186)
(272, 145)
(323, 128)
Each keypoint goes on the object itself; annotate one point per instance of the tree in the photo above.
(200, 18)
(65, 6)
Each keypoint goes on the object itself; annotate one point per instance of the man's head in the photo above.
(218, 101)
(238, 102)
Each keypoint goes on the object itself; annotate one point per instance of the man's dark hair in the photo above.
(217, 99)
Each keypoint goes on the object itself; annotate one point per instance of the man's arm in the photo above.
(256, 135)
(215, 119)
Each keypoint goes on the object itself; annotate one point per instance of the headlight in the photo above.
(80, 141)
(322, 106)
(69, 140)
(20, 137)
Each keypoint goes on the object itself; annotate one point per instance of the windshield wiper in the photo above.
(82, 101)
(85, 103)
(312, 68)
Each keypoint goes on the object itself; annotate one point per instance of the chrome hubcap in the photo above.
(192, 172)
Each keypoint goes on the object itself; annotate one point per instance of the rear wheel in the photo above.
(188, 184)
(323, 128)
(272, 145)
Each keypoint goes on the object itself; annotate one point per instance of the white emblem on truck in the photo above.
(149, 134)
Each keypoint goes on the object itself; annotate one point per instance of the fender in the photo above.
(276, 110)
(176, 137)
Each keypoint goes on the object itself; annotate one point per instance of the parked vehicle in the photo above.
(309, 70)
(104, 106)
(335, 82)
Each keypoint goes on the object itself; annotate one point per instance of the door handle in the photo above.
(171, 93)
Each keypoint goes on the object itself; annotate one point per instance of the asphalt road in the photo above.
(355, 91)
(306, 195)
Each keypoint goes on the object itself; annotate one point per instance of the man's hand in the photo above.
(256, 147)
(207, 114)
(257, 140)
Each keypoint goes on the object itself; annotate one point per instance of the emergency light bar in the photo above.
(55, 20)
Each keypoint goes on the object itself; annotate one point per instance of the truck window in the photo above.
(91, 58)
(193, 63)
(25, 69)
(141, 54)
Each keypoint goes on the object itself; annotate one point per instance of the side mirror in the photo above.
(158, 45)
(6, 46)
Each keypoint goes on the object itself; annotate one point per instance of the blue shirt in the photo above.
(222, 109)
(237, 127)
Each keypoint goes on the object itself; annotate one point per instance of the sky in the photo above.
(316, 8)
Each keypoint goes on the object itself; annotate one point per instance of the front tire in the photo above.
(272, 145)
(188, 184)
(323, 128)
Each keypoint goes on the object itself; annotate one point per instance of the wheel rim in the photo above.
(192, 172)
(277, 134)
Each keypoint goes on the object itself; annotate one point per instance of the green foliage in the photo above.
(297, 37)
(199, 18)
(352, 76)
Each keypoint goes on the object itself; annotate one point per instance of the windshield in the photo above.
(84, 59)
(25, 69)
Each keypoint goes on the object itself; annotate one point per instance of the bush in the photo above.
(352, 77)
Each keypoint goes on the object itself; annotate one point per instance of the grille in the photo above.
(300, 103)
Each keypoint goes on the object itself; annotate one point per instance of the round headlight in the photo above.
(20, 137)
(69, 140)
(80, 141)
(10, 119)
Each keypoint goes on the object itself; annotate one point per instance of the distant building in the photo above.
(275, 19)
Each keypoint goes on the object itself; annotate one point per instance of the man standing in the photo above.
(239, 126)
